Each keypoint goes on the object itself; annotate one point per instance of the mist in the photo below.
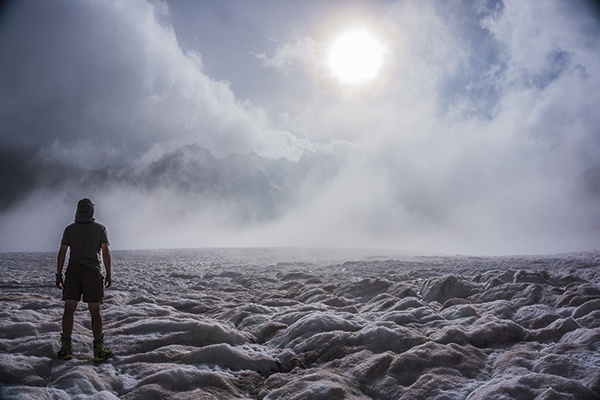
(480, 137)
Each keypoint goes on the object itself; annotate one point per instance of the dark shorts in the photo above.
(86, 281)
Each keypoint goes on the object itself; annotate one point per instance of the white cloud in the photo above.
(475, 139)
(479, 141)
(299, 50)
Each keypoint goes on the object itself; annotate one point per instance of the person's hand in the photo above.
(59, 282)
(107, 281)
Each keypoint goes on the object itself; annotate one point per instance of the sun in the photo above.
(355, 56)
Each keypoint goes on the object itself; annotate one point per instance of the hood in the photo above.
(85, 211)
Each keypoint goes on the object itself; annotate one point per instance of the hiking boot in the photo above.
(66, 348)
(101, 350)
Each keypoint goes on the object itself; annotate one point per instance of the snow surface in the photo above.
(298, 324)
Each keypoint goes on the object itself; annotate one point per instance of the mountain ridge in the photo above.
(262, 187)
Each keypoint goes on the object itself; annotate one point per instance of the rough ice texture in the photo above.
(290, 324)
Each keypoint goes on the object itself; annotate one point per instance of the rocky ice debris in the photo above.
(217, 325)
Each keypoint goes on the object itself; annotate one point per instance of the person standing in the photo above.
(85, 239)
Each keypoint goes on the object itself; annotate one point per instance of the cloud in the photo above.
(111, 77)
(302, 51)
(476, 139)
(480, 137)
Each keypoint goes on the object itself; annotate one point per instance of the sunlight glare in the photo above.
(355, 56)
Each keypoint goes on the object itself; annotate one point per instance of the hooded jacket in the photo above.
(85, 236)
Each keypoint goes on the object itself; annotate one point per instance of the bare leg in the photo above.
(67, 319)
(96, 320)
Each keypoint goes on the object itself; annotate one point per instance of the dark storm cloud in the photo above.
(66, 74)
(102, 80)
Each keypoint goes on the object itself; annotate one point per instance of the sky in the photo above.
(480, 134)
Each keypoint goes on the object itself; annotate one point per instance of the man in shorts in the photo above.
(86, 239)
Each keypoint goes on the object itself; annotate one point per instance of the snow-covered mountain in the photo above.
(261, 186)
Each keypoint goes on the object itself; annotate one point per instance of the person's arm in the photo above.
(60, 262)
(107, 264)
